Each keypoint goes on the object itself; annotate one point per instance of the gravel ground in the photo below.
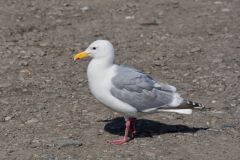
(48, 113)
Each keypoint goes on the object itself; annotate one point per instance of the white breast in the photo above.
(100, 86)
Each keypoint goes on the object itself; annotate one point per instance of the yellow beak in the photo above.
(80, 55)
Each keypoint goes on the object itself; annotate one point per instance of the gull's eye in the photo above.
(94, 48)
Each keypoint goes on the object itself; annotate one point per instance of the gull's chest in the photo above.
(100, 82)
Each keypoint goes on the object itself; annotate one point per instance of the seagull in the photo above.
(127, 90)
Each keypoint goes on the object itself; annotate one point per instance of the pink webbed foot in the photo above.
(119, 142)
(130, 130)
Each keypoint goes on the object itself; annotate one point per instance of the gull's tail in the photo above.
(185, 107)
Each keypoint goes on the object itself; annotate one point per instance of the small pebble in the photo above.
(42, 54)
(233, 105)
(130, 17)
(23, 63)
(67, 142)
(217, 2)
(225, 10)
(43, 44)
(195, 49)
(84, 9)
(24, 75)
(157, 63)
(33, 120)
(7, 118)
(10, 151)
(118, 156)
(100, 132)
(213, 101)
(208, 124)
(67, 4)
(25, 54)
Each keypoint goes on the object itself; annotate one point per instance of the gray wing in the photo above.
(139, 90)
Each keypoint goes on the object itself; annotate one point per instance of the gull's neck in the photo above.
(98, 67)
(101, 63)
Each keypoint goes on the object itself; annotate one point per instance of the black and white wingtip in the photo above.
(193, 105)
(185, 107)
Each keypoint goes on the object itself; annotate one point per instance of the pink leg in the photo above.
(129, 129)
(133, 127)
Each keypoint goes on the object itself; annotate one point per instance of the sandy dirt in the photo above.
(48, 113)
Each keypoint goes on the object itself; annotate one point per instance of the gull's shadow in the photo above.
(147, 128)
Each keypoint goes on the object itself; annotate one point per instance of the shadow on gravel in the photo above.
(147, 128)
